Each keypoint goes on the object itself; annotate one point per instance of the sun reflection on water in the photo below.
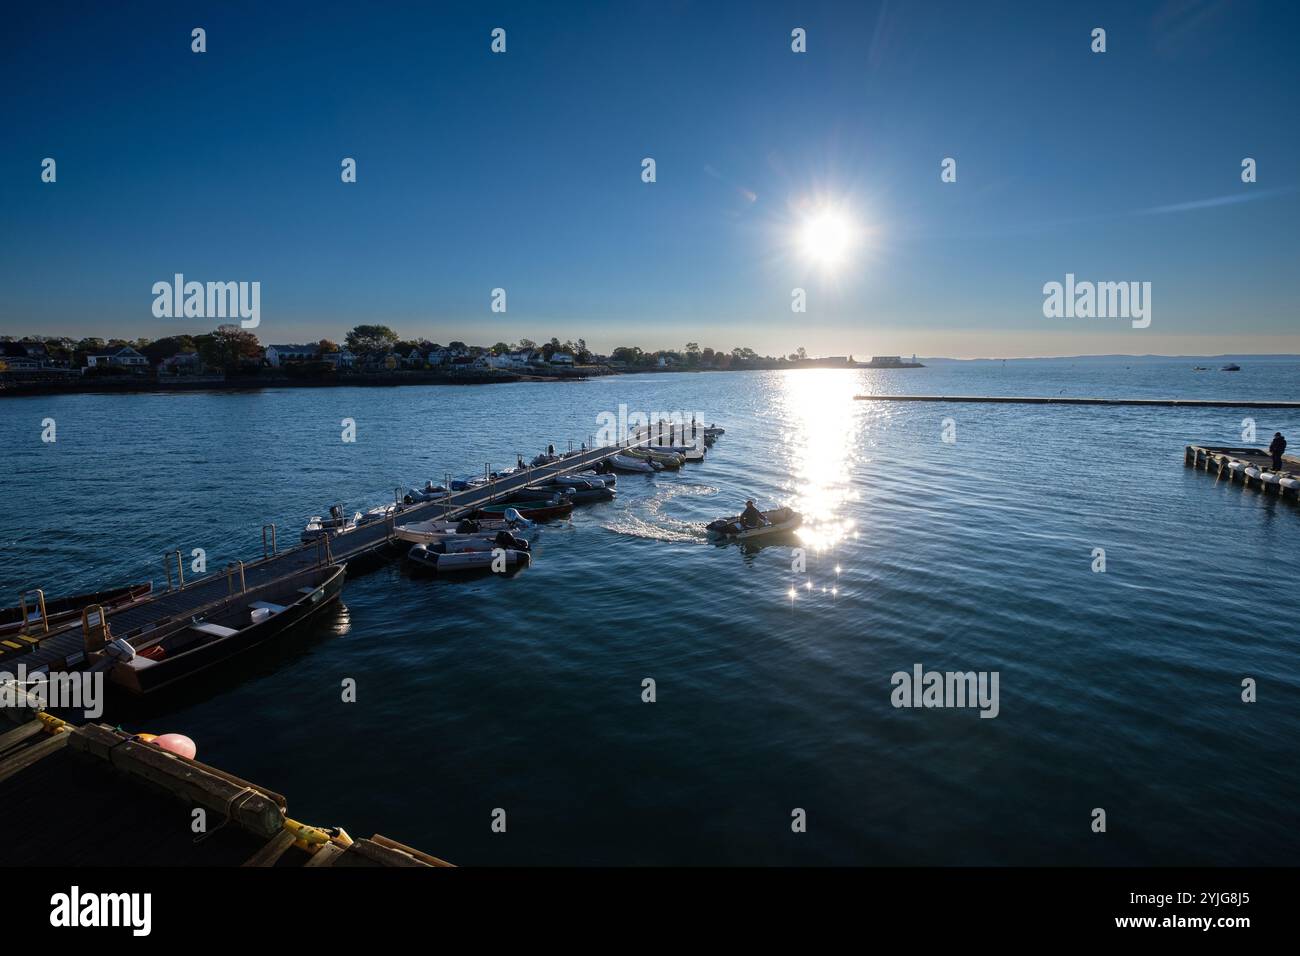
(821, 443)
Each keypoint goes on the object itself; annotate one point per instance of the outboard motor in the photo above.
(510, 542)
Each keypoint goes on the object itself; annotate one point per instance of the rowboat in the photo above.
(182, 648)
(67, 608)
(778, 520)
(533, 511)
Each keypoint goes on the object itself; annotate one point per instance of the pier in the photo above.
(1253, 467)
(106, 797)
(1062, 400)
(64, 647)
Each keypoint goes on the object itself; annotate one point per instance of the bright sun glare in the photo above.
(827, 237)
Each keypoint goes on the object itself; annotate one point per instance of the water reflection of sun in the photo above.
(820, 443)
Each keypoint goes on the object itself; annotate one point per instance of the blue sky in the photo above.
(522, 170)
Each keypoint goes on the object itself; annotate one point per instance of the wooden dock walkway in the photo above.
(1253, 467)
(98, 796)
(1062, 400)
(63, 648)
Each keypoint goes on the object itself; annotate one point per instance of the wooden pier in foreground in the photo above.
(96, 796)
(1062, 400)
(1253, 467)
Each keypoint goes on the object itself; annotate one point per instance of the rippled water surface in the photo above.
(1118, 690)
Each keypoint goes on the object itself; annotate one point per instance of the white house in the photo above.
(121, 356)
(279, 355)
(340, 359)
(561, 358)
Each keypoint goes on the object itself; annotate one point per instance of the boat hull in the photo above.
(141, 680)
(544, 512)
(61, 610)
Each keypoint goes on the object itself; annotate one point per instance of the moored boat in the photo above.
(533, 511)
(60, 610)
(669, 459)
(336, 523)
(632, 465)
(427, 531)
(442, 561)
(181, 648)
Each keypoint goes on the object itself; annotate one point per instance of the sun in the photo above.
(827, 237)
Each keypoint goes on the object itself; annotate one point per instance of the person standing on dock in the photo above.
(1276, 448)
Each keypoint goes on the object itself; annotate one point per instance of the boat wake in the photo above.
(650, 521)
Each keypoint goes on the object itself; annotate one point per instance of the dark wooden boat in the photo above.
(533, 511)
(240, 622)
(64, 609)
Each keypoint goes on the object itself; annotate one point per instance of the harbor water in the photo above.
(957, 537)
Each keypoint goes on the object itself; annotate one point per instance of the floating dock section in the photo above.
(1252, 467)
(63, 648)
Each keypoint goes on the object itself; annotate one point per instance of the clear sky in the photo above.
(523, 170)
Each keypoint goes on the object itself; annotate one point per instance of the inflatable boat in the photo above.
(632, 465)
(427, 556)
(778, 520)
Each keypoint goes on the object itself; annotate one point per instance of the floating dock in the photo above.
(1062, 400)
(98, 796)
(1253, 467)
(63, 648)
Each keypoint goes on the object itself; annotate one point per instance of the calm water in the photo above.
(1117, 690)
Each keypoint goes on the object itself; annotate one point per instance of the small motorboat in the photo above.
(533, 510)
(1231, 367)
(336, 523)
(59, 610)
(236, 623)
(669, 459)
(690, 453)
(544, 459)
(587, 496)
(479, 559)
(632, 465)
(778, 521)
(427, 532)
(381, 513)
(585, 479)
(529, 495)
(428, 493)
